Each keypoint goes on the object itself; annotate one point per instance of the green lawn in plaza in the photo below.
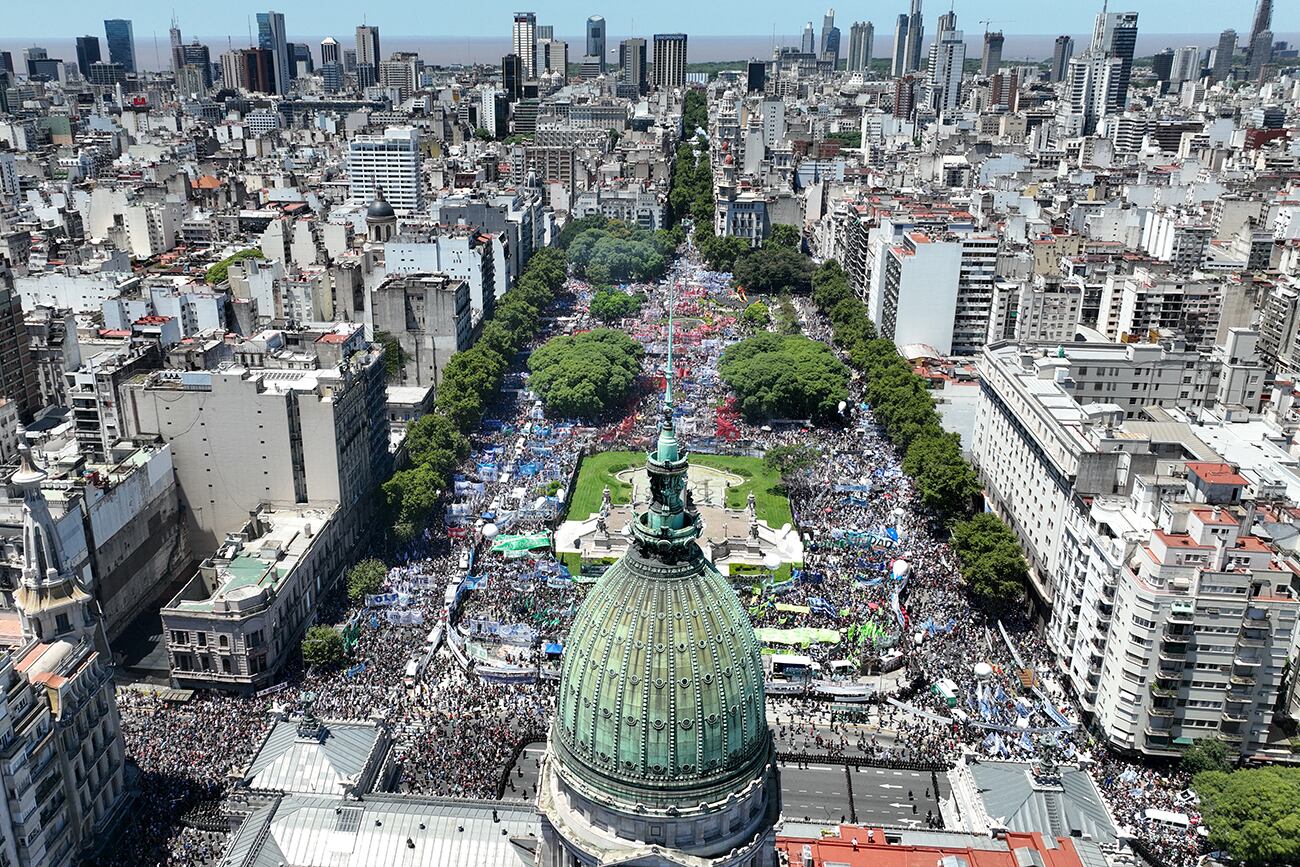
(598, 470)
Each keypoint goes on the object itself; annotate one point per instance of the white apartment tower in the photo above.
(390, 162)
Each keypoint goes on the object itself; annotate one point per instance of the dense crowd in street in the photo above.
(874, 576)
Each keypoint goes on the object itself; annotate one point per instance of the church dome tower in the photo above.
(50, 601)
(381, 219)
(660, 753)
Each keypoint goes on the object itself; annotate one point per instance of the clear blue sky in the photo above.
(725, 18)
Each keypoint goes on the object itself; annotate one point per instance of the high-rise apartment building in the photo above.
(390, 162)
(947, 61)
(898, 61)
(669, 61)
(1062, 51)
(271, 36)
(596, 40)
(120, 37)
(523, 40)
(861, 36)
(915, 34)
(1115, 35)
(18, 381)
(992, 58)
(632, 62)
(1186, 65)
(87, 53)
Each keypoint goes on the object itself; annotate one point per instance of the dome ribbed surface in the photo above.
(661, 689)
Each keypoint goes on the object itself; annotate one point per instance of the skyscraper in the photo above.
(87, 53)
(898, 64)
(596, 39)
(915, 35)
(368, 55)
(861, 36)
(1261, 23)
(121, 42)
(808, 45)
(197, 55)
(1115, 35)
(992, 59)
(523, 39)
(755, 76)
(1187, 65)
(631, 60)
(1260, 54)
(1162, 64)
(512, 76)
(670, 61)
(947, 61)
(830, 41)
(1061, 55)
(329, 51)
(178, 54)
(1224, 54)
(271, 36)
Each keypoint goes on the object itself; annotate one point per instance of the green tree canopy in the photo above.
(788, 460)
(322, 647)
(773, 269)
(366, 578)
(784, 376)
(1207, 754)
(756, 315)
(1253, 814)
(720, 254)
(784, 236)
(992, 563)
(220, 271)
(619, 253)
(609, 305)
(585, 375)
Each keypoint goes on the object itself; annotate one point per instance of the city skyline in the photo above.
(1022, 17)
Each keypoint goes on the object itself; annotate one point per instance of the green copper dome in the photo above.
(661, 690)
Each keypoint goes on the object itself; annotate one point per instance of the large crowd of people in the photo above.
(875, 576)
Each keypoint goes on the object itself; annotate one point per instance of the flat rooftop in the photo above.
(244, 569)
